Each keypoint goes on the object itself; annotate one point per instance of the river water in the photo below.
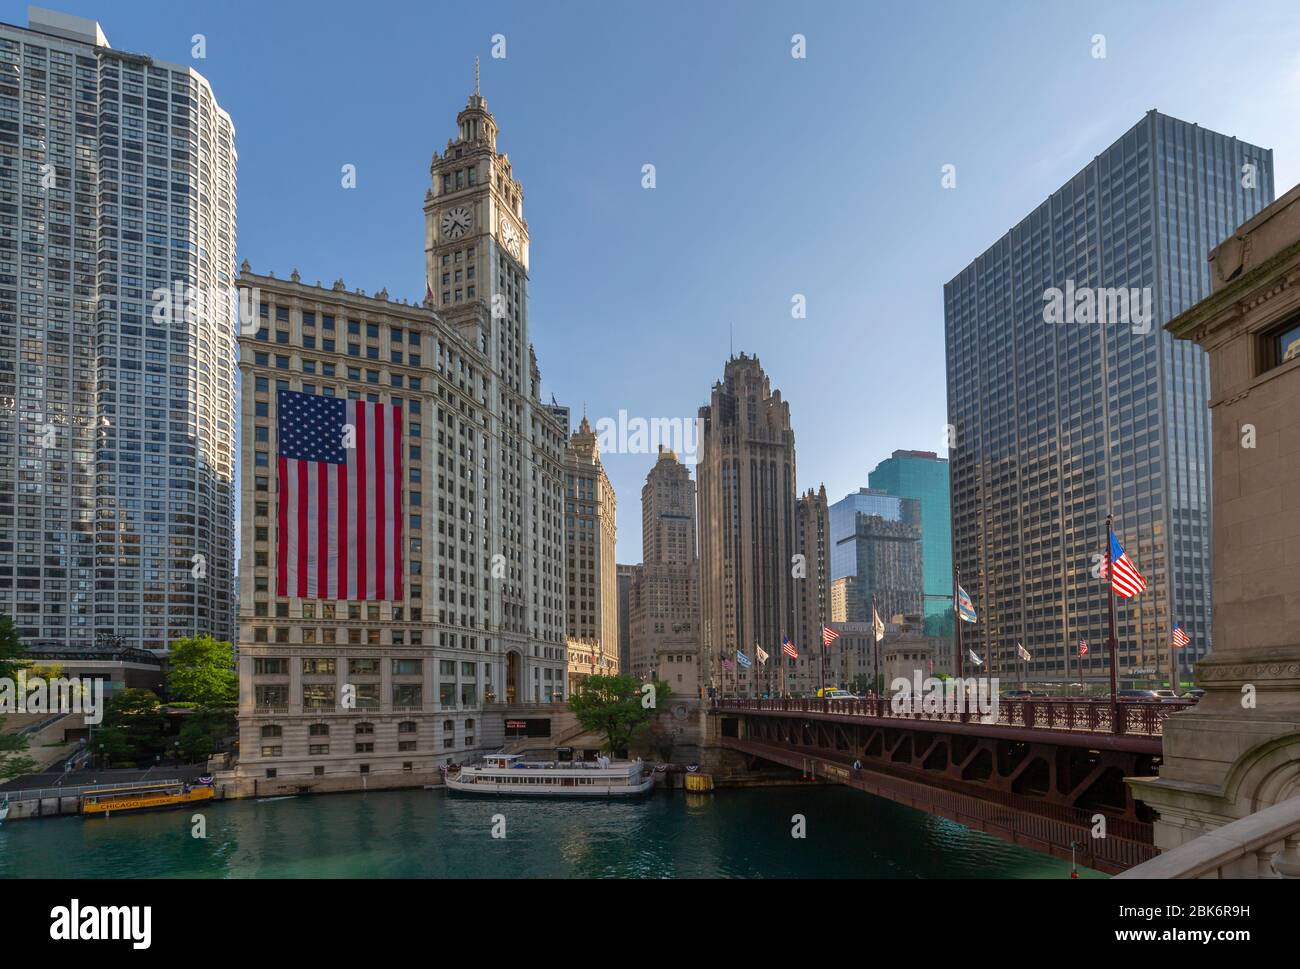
(430, 834)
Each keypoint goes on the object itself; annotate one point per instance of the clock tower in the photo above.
(476, 260)
(476, 242)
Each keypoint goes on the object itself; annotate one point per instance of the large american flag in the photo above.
(340, 498)
(1180, 638)
(1125, 579)
(787, 647)
(829, 635)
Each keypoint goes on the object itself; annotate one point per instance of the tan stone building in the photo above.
(812, 592)
(846, 604)
(665, 601)
(334, 689)
(746, 475)
(1238, 750)
(592, 572)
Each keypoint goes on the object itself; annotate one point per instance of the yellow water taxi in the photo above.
(143, 797)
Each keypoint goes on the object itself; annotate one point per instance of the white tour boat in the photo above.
(510, 774)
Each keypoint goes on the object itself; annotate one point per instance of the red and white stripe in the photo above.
(340, 525)
(1125, 579)
(1181, 638)
(829, 635)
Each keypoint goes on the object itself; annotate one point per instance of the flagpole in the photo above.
(821, 661)
(956, 606)
(876, 685)
(1112, 645)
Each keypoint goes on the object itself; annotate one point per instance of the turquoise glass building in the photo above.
(923, 475)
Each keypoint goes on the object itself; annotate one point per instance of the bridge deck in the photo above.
(1070, 723)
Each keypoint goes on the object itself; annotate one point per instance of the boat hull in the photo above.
(592, 792)
(153, 802)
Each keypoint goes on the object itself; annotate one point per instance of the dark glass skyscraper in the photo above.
(1057, 420)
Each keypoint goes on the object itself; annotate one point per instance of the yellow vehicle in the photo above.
(834, 693)
(143, 797)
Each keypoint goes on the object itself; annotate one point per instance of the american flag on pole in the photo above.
(1083, 647)
(787, 647)
(829, 635)
(1180, 638)
(1125, 579)
(340, 498)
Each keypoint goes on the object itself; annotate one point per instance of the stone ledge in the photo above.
(1206, 855)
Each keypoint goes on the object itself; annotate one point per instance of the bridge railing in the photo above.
(1265, 844)
(1073, 714)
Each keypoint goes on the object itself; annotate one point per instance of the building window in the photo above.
(1281, 344)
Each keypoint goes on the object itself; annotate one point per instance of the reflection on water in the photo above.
(426, 834)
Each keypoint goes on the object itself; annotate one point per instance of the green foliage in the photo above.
(113, 748)
(137, 715)
(13, 762)
(616, 706)
(196, 743)
(11, 648)
(201, 670)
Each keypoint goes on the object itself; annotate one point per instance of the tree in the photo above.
(138, 716)
(11, 648)
(13, 759)
(616, 706)
(200, 670)
(112, 748)
(196, 740)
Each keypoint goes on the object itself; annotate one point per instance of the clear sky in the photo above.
(775, 176)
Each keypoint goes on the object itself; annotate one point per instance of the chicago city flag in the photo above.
(339, 511)
(965, 608)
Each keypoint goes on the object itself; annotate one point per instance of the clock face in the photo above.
(510, 237)
(456, 222)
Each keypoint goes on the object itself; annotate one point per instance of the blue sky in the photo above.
(775, 176)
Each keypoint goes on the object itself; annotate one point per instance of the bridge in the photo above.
(1038, 773)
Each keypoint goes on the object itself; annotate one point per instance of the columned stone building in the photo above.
(1238, 750)
(747, 528)
(334, 690)
(665, 600)
(590, 538)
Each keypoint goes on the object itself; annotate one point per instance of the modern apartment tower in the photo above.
(747, 528)
(333, 689)
(923, 475)
(117, 321)
(590, 537)
(665, 599)
(1058, 420)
